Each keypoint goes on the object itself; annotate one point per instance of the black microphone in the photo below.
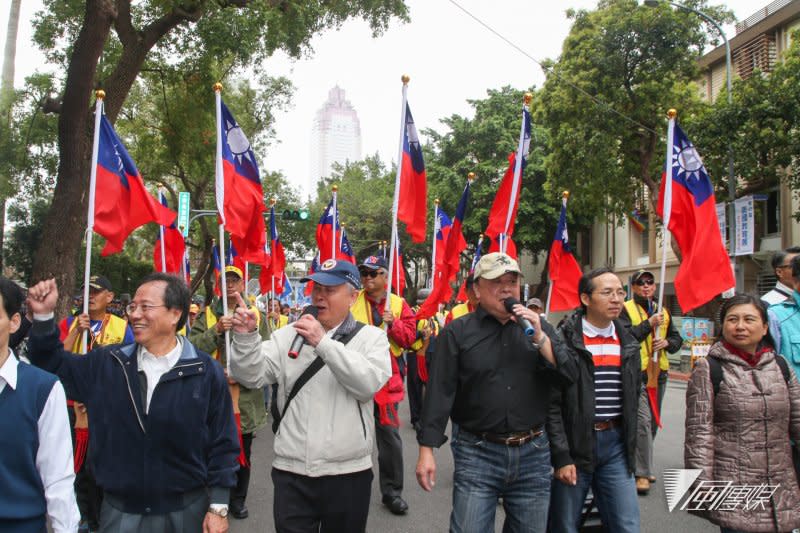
(299, 340)
(524, 323)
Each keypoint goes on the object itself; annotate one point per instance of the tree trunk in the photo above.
(66, 222)
(6, 95)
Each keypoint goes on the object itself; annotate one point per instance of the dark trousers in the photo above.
(414, 388)
(239, 492)
(327, 504)
(88, 495)
(390, 452)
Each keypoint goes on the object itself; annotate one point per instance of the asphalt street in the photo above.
(429, 512)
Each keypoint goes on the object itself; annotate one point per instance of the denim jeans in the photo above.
(613, 486)
(486, 471)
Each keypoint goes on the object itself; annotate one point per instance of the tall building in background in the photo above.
(335, 137)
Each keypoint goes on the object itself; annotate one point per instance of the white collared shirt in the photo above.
(154, 367)
(593, 331)
(54, 459)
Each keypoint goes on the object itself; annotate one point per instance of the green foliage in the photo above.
(639, 61)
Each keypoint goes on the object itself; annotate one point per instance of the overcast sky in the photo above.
(449, 57)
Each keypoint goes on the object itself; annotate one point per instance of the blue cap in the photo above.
(333, 272)
(374, 262)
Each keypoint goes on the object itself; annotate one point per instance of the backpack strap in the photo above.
(716, 373)
(315, 366)
(784, 364)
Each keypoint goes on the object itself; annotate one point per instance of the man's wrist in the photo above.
(219, 509)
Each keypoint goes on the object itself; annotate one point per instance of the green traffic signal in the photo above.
(295, 214)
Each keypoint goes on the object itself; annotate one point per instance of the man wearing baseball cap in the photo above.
(322, 471)
(400, 325)
(208, 334)
(104, 329)
(494, 383)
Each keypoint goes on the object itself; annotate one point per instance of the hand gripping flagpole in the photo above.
(405, 79)
(220, 193)
(161, 231)
(334, 220)
(436, 228)
(515, 184)
(87, 271)
(667, 210)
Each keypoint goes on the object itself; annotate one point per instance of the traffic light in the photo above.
(295, 214)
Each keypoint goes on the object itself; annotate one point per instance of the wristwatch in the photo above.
(218, 509)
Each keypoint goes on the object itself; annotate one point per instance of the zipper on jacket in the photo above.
(361, 416)
(130, 392)
(161, 379)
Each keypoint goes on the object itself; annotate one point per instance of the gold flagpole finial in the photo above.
(672, 113)
(217, 87)
(335, 188)
(100, 94)
(471, 176)
(565, 194)
(405, 78)
(436, 201)
(527, 98)
(272, 201)
(480, 237)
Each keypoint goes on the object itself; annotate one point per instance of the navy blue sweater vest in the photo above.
(22, 506)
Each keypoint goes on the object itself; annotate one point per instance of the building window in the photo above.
(772, 213)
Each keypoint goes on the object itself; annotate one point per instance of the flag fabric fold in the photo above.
(273, 268)
(413, 190)
(122, 202)
(240, 197)
(462, 292)
(174, 247)
(329, 243)
(690, 214)
(562, 268)
(443, 227)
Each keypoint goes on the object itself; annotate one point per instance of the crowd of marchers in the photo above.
(144, 423)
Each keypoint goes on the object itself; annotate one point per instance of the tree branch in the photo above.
(123, 24)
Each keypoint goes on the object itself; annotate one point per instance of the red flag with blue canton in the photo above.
(174, 248)
(509, 189)
(325, 235)
(462, 292)
(243, 197)
(276, 258)
(563, 269)
(705, 270)
(411, 205)
(443, 227)
(313, 268)
(345, 250)
(442, 291)
(122, 202)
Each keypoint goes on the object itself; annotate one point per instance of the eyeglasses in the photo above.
(784, 266)
(643, 282)
(370, 273)
(607, 294)
(132, 307)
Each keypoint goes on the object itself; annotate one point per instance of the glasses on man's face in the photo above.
(645, 282)
(784, 266)
(610, 293)
(145, 308)
(369, 273)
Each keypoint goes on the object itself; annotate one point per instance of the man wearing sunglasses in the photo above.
(782, 265)
(401, 327)
(640, 317)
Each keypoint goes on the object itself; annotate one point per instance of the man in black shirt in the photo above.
(494, 383)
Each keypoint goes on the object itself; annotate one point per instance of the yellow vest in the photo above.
(421, 325)
(459, 310)
(362, 311)
(638, 315)
(282, 321)
(112, 331)
(211, 321)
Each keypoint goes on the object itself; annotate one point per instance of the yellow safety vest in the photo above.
(112, 331)
(421, 325)
(211, 321)
(637, 314)
(283, 320)
(362, 311)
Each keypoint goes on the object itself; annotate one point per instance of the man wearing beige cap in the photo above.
(493, 381)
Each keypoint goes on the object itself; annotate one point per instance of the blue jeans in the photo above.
(613, 486)
(485, 471)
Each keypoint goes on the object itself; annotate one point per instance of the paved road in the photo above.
(429, 512)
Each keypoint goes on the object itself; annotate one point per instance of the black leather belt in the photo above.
(608, 424)
(512, 439)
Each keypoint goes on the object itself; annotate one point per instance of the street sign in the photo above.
(183, 213)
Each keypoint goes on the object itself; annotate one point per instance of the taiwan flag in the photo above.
(413, 190)
(121, 201)
(686, 204)
(240, 198)
(313, 268)
(562, 268)
(174, 247)
(503, 213)
(442, 291)
(442, 227)
(328, 233)
(273, 269)
(462, 292)
(345, 250)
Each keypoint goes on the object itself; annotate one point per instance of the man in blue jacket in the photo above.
(164, 446)
(784, 321)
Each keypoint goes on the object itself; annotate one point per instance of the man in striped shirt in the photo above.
(592, 422)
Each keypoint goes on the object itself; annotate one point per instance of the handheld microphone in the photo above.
(524, 323)
(299, 340)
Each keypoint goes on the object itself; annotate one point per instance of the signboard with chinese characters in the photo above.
(183, 213)
(722, 221)
(745, 226)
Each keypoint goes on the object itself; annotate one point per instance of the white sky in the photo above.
(449, 57)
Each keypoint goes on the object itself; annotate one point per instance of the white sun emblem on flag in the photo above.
(238, 143)
(688, 162)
